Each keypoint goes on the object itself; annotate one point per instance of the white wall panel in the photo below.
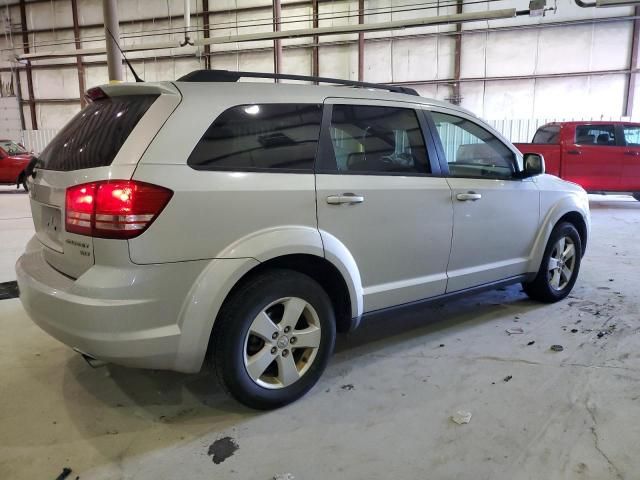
(61, 83)
(510, 53)
(52, 116)
(508, 99)
(377, 62)
(339, 61)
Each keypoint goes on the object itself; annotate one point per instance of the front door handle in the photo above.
(574, 152)
(631, 153)
(345, 198)
(465, 197)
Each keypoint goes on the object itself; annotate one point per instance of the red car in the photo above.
(14, 158)
(602, 157)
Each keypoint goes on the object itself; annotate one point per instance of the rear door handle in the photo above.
(346, 198)
(631, 153)
(465, 197)
(574, 152)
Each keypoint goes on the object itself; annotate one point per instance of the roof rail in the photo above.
(230, 76)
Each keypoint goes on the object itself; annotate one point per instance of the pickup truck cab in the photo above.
(14, 158)
(601, 157)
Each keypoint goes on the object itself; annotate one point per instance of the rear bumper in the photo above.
(125, 315)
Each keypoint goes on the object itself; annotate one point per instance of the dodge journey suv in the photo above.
(245, 223)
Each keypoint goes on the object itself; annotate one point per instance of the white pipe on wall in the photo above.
(187, 24)
(304, 32)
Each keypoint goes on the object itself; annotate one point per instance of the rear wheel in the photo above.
(274, 338)
(560, 266)
(636, 196)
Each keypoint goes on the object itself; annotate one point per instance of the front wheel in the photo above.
(560, 266)
(636, 196)
(274, 338)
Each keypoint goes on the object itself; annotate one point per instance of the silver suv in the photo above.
(246, 223)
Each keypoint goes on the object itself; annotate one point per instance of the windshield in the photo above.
(11, 147)
(95, 135)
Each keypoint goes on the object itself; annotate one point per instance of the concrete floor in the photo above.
(382, 409)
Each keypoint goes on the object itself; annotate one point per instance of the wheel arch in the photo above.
(302, 249)
(566, 210)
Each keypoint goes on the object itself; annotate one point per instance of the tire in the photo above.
(282, 303)
(636, 196)
(550, 285)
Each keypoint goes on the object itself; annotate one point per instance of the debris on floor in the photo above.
(514, 331)
(531, 343)
(556, 348)
(66, 471)
(574, 330)
(461, 417)
(507, 378)
(348, 386)
(222, 449)
(441, 345)
(283, 476)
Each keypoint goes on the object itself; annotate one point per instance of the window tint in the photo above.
(260, 137)
(472, 151)
(596, 135)
(95, 135)
(11, 147)
(547, 134)
(369, 139)
(632, 136)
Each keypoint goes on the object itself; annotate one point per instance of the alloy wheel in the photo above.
(282, 343)
(562, 263)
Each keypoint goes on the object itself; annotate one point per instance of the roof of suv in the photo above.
(250, 92)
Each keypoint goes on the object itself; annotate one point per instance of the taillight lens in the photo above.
(114, 208)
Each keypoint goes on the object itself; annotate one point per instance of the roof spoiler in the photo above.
(230, 76)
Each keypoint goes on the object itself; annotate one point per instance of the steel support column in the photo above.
(633, 65)
(277, 43)
(315, 58)
(112, 35)
(456, 97)
(361, 42)
(25, 47)
(76, 36)
(206, 33)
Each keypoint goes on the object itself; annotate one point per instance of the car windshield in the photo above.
(11, 147)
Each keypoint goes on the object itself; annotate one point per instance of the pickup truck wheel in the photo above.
(636, 196)
(560, 266)
(274, 338)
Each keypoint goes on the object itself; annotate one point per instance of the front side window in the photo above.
(547, 134)
(472, 151)
(632, 136)
(377, 140)
(603, 135)
(264, 137)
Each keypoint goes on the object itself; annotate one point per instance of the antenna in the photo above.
(126, 60)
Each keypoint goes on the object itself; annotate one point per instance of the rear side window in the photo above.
(632, 135)
(262, 137)
(603, 135)
(382, 140)
(547, 134)
(95, 135)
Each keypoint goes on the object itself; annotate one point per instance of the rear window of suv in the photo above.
(263, 137)
(95, 135)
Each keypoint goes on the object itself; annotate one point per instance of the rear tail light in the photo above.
(113, 208)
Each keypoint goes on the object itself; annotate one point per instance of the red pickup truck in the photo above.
(14, 158)
(602, 157)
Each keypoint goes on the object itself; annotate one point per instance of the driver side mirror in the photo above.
(533, 165)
